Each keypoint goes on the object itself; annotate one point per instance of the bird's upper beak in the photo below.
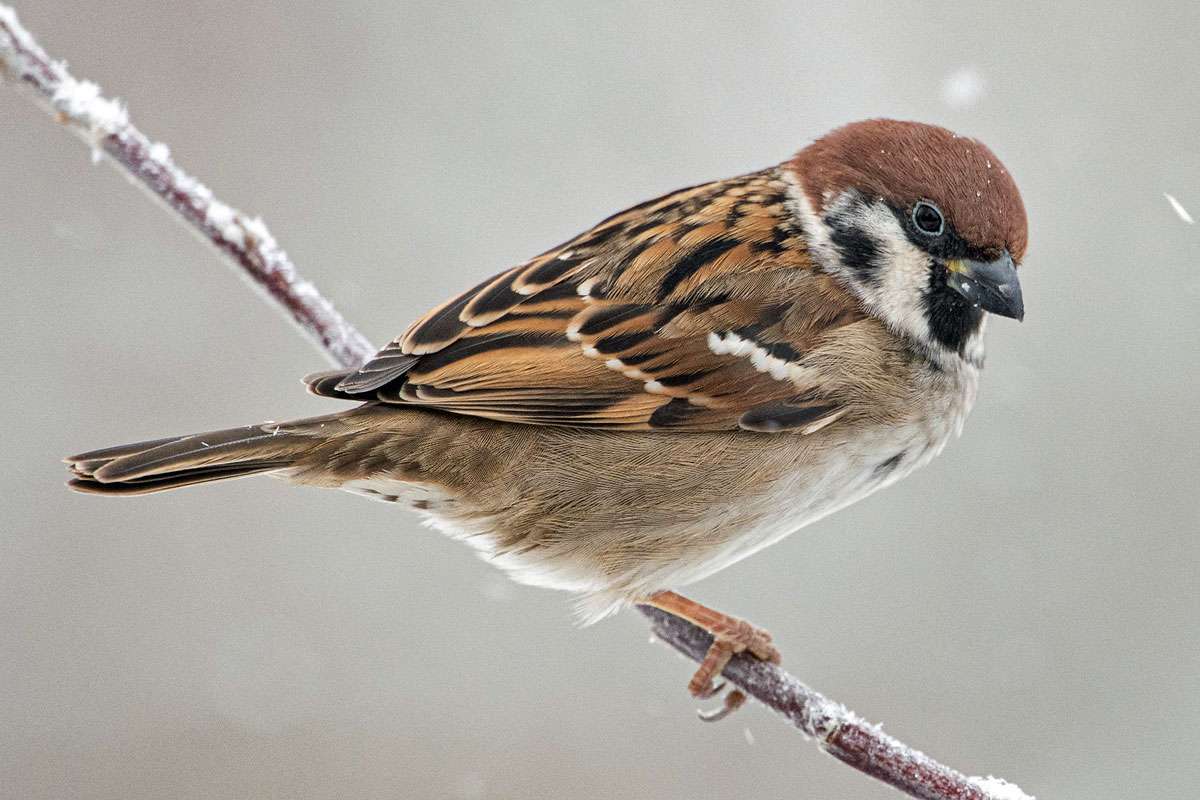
(990, 285)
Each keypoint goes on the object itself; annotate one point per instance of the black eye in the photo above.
(928, 218)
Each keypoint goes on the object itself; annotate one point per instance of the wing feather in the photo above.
(692, 311)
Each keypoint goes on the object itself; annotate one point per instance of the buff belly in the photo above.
(569, 520)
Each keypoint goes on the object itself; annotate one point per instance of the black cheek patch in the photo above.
(856, 249)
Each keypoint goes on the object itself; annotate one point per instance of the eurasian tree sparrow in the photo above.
(676, 388)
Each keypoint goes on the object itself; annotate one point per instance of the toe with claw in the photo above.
(730, 637)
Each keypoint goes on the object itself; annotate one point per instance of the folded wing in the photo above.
(694, 311)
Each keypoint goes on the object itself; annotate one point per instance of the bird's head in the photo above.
(926, 227)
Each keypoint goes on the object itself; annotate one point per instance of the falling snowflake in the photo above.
(962, 88)
(1179, 209)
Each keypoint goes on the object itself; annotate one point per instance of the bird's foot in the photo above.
(730, 637)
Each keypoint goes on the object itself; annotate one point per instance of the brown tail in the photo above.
(163, 464)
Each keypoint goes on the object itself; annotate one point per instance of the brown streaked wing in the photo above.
(614, 328)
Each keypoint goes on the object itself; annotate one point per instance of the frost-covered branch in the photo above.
(836, 730)
(245, 241)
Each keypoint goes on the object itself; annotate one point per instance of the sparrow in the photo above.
(674, 389)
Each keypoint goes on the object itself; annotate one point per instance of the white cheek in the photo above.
(901, 291)
(896, 297)
(897, 294)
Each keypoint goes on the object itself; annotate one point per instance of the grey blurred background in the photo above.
(1026, 606)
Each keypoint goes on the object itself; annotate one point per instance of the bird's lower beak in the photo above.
(990, 285)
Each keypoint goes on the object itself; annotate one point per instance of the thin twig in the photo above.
(836, 730)
(246, 242)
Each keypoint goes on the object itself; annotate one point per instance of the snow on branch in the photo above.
(245, 241)
(104, 124)
(836, 730)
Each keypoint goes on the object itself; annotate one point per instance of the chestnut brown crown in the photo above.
(904, 162)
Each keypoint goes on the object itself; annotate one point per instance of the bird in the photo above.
(676, 388)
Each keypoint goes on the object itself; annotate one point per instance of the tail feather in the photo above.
(169, 480)
(162, 464)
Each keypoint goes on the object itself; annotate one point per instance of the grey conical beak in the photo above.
(990, 285)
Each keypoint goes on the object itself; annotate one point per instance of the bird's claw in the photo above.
(731, 636)
(740, 638)
(734, 699)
